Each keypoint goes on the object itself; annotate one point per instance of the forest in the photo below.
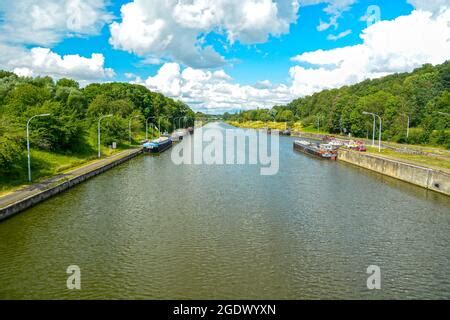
(71, 127)
(423, 96)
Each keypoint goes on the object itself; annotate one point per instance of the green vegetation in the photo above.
(424, 160)
(68, 137)
(421, 94)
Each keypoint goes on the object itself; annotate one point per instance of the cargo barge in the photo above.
(158, 145)
(323, 151)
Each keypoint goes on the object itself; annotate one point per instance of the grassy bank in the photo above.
(46, 164)
(296, 126)
(439, 157)
(421, 160)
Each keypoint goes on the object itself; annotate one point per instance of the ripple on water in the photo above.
(151, 229)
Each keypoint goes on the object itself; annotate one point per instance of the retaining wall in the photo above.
(428, 178)
(30, 201)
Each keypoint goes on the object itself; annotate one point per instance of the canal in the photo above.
(150, 229)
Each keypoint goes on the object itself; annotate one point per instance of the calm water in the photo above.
(149, 229)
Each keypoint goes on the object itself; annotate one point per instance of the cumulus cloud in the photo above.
(393, 46)
(387, 47)
(26, 23)
(46, 22)
(434, 6)
(174, 29)
(213, 90)
(42, 62)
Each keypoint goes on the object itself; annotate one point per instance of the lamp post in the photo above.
(100, 119)
(379, 134)
(373, 129)
(407, 128)
(146, 127)
(174, 122)
(179, 121)
(129, 126)
(318, 123)
(28, 141)
(159, 123)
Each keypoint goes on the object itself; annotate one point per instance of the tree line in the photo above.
(74, 112)
(423, 96)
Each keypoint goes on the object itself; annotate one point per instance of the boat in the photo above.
(323, 151)
(357, 146)
(190, 130)
(286, 132)
(175, 137)
(158, 145)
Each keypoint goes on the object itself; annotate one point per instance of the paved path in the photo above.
(33, 189)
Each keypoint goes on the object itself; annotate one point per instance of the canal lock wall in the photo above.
(428, 178)
(26, 203)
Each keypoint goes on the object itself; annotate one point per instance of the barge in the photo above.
(323, 151)
(158, 145)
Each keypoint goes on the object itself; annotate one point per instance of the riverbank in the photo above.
(425, 177)
(26, 197)
(428, 156)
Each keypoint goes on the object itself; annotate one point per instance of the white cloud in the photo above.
(393, 46)
(434, 6)
(46, 22)
(42, 62)
(175, 29)
(388, 47)
(213, 90)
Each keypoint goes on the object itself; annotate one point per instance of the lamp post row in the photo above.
(98, 132)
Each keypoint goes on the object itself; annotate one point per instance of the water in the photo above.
(149, 229)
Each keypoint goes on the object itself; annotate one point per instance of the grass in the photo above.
(45, 164)
(296, 126)
(422, 160)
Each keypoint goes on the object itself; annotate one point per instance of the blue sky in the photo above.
(222, 55)
(249, 63)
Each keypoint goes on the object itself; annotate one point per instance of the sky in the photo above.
(223, 55)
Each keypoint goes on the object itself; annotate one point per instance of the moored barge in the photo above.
(158, 145)
(323, 151)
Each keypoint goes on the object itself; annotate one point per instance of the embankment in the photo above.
(25, 198)
(428, 178)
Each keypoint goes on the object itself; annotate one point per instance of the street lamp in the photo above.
(146, 127)
(159, 123)
(174, 122)
(318, 122)
(407, 128)
(129, 126)
(179, 122)
(28, 141)
(100, 119)
(373, 129)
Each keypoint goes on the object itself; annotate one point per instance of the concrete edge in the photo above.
(32, 200)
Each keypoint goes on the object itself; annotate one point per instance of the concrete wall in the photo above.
(425, 177)
(43, 195)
